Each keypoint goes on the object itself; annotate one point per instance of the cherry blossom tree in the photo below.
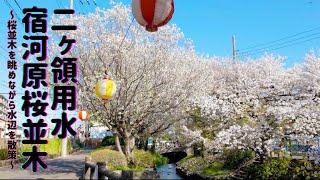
(155, 73)
(254, 103)
(162, 81)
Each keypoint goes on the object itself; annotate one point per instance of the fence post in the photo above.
(95, 173)
(101, 170)
(86, 173)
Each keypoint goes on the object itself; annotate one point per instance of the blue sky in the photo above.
(211, 24)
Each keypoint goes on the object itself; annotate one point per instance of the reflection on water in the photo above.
(168, 171)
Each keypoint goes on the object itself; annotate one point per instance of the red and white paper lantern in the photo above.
(83, 115)
(152, 13)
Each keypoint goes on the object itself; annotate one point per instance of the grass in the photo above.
(117, 161)
(113, 159)
(194, 164)
(185, 159)
(128, 168)
(216, 169)
(204, 167)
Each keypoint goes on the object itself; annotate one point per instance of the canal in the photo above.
(168, 171)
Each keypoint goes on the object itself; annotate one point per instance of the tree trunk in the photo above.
(261, 157)
(132, 143)
(128, 150)
(117, 142)
(264, 154)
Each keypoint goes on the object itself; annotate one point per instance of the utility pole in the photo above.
(71, 4)
(234, 51)
(87, 132)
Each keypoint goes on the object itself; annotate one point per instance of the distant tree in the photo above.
(254, 103)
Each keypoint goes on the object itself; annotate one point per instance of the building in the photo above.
(99, 132)
(96, 131)
(3, 115)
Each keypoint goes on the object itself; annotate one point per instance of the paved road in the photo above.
(61, 168)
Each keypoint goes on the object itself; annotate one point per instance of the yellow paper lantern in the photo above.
(106, 89)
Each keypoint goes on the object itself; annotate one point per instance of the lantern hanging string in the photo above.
(118, 52)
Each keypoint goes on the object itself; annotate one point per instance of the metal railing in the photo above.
(296, 148)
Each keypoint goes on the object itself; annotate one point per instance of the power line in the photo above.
(234, 53)
(84, 7)
(18, 5)
(94, 2)
(61, 4)
(58, 3)
(288, 45)
(14, 11)
(281, 39)
(281, 43)
(79, 6)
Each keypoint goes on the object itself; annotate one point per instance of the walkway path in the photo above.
(61, 168)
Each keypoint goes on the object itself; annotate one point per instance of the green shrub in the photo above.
(235, 158)
(159, 160)
(143, 158)
(299, 168)
(273, 168)
(304, 169)
(110, 141)
(283, 168)
(148, 159)
(3, 154)
(23, 148)
(52, 148)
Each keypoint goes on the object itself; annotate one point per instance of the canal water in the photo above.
(168, 171)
